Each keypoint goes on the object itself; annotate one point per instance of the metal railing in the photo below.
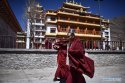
(107, 45)
(13, 42)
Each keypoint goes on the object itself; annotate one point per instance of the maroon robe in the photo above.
(47, 44)
(62, 69)
(79, 63)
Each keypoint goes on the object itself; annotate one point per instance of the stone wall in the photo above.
(108, 59)
(37, 59)
(27, 61)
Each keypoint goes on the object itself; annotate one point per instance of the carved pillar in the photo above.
(59, 29)
(68, 18)
(68, 28)
(86, 31)
(77, 29)
(77, 20)
(93, 32)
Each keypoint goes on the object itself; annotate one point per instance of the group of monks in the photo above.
(78, 64)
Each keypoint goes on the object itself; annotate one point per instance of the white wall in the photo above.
(48, 26)
(48, 18)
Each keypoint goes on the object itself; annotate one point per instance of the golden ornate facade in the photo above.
(75, 16)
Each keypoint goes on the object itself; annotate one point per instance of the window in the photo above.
(43, 28)
(20, 39)
(37, 39)
(73, 19)
(53, 18)
(38, 33)
(52, 30)
(43, 33)
(43, 21)
(107, 37)
(64, 28)
(43, 39)
(106, 33)
(63, 18)
(81, 30)
(37, 27)
(38, 20)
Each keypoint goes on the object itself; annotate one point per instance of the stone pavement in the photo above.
(103, 74)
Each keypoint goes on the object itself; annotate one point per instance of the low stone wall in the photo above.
(109, 59)
(37, 59)
(27, 59)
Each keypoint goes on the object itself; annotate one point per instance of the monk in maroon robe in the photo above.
(79, 64)
(62, 69)
(46, 44)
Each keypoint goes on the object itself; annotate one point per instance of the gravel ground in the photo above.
(103, 74)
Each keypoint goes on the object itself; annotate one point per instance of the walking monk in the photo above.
(62, 69)
(78, 63)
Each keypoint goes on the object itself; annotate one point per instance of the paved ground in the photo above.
(104, 74)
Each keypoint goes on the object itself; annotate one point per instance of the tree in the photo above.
(29, 18)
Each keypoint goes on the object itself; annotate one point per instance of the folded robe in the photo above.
(81, 63)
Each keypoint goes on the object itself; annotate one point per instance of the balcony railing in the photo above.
(10, 42)
(51, 13)
(63, 30)
(77, 15)
(77, 22)
(91, 32)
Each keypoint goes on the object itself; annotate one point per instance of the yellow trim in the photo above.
(51, 34)
(51, 13)
(62, 33)
(72, 4)
(51, 21)
(71, 14)
(88, 35)
(80, 35)
(74, 22)
(70, 9)
(66, 13)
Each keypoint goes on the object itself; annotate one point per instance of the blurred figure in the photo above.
(48, 44)
(62, 69)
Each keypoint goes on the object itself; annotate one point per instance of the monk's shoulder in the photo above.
(77, 39)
